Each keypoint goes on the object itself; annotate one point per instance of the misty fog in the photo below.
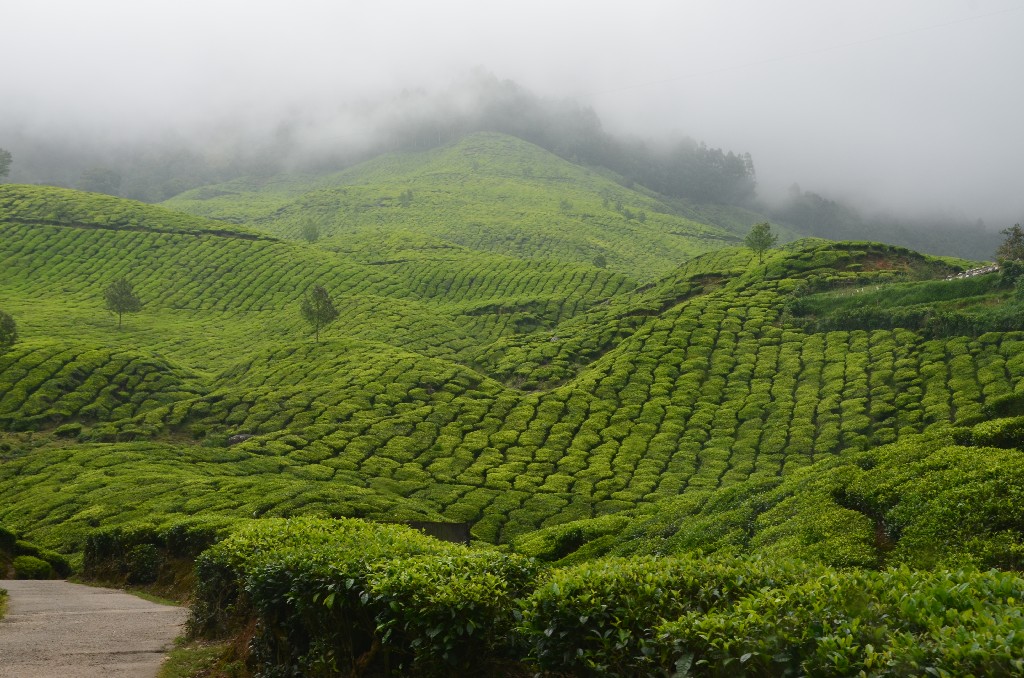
(908, 107)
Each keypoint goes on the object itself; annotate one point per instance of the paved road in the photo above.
(54, 629)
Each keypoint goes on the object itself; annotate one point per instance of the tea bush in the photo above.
(343, 595)
(599, 618)
(144, 552)
(890, 623)
(30, 567)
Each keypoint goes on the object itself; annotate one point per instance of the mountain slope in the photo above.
(487, 192)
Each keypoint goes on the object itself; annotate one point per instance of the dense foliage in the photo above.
(346, 596)
(331, 597)
(23, 559)
(768, 618)
(144, 552)
(604, 395)
(920, 502)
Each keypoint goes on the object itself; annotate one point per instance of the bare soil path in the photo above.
(54, 629)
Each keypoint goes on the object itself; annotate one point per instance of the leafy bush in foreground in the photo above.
(750, 617)
(891, 623)
(598, 618)
(445, 615)
(345, 596)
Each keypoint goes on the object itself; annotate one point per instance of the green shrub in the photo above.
(892, 623)
(30, 567)
(137, 552)
(335, 596)
(596, 619)
(1006, 433)
(450, 615)
(142, 564)
(68, 430)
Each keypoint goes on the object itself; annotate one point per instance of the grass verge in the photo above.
(191, 659)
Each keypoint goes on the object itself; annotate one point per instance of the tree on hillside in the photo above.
(1011, 249)
(5, 162)
(121, 298)
(761, 239)
(310, 230)
(318, 309)
(8, 331)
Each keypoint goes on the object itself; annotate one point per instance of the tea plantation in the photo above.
(681, 462)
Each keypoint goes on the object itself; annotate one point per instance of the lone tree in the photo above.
(5, 162)
(318, 309)
(310, 230)
(8, 331)
(761, 239)
(121, 298)
(1011, 249)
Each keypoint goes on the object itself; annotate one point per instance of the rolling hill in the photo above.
(488, 193)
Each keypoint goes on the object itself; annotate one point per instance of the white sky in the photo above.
(908, 103)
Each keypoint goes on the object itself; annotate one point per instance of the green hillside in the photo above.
(686, 416)
(487, 193)
(473, 387)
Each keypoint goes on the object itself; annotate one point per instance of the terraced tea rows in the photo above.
(46, 383)
(698, 381)
(437, 304)
(50, 205)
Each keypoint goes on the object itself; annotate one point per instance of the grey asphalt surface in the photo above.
(54, 629)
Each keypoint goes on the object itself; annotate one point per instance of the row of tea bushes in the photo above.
(44, 384)
(147, 553)
(699, 617)
(23, 559)
(348, 597)
(343, 597)
(920, 502)
(48, 204)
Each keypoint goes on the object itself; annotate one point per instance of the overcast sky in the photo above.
(914, 103)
